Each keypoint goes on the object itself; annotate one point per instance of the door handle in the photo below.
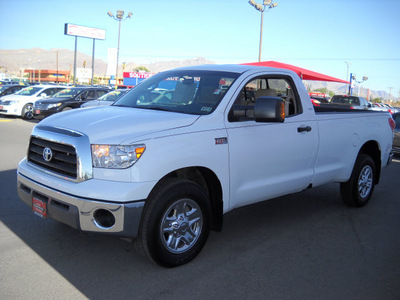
(304, 128)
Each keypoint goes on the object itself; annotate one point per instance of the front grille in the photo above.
(63, 160)
(40, 106)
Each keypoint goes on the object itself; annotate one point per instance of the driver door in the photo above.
(268, 160)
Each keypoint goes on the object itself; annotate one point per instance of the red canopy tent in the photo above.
(303, 73)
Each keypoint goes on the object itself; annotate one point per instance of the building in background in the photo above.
(46, 76)
(134, 78)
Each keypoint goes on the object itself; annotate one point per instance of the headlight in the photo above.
(116, 157)
(53, 105)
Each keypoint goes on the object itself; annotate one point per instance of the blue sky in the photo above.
(316, 34)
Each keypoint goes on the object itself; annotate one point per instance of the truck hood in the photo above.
(118, 125)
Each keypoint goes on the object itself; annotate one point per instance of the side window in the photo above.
(50, 92)
(100, 93)
(282, 87)
(91, 95)
(364, 102)
(84, 95)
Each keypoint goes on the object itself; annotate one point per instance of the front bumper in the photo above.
(89, 215)
(43, 113)
(10, 110)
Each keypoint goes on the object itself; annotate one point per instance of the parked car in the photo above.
(396, 136)
(353, 102)
(9, 89)
(21, 103)
(8, 81)
(67, 99)
(390, 108)
(318, 100)
(377, 107)
(106, 99)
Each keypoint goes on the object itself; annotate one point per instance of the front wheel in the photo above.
(27, 112)
(358, 190)
(175, 224)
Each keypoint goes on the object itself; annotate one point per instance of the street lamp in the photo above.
(353, 78)
(261, 8)
(119, 17)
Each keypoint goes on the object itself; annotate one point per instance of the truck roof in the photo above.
(230, 68)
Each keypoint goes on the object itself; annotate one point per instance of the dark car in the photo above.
(353, 102)
(396, 137)
(67, 99)
(9, 89)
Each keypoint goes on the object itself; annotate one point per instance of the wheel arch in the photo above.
(372, 149)
(208, 180)
(23, 107)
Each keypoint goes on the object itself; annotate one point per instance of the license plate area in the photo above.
(39, 207)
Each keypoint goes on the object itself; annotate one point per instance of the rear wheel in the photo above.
(27, 112)
(175, 224)
(358, 190)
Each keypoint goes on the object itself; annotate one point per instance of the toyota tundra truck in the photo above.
(164, 163)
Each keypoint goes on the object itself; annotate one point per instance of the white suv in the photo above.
(21, 103)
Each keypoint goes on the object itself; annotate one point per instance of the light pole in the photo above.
(353, 78)
(347, 77)
(261, 8)
(119, 17)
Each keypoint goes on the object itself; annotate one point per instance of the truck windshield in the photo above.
(184, 91)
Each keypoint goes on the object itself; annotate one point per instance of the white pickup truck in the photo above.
(167, 160)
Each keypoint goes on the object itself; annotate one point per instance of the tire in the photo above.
(358, 190)
(175, 223)
(27, 112)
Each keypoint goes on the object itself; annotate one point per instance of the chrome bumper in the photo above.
(119, 219)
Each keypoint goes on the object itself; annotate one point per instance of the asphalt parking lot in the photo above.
(302, 246)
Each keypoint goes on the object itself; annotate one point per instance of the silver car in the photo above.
(106, 99)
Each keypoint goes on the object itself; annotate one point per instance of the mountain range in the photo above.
(15, 61)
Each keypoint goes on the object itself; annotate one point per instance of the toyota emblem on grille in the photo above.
(47, 154)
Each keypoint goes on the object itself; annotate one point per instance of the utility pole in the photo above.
(390, 92)
(399, 96)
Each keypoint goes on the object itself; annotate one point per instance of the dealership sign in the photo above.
(140, 75)
(83, 31)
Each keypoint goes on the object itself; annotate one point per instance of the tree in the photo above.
(141, 68)
(376, 100)
(325, 91)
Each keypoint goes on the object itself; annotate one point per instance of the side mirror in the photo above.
(269, 109)
(43, 95)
